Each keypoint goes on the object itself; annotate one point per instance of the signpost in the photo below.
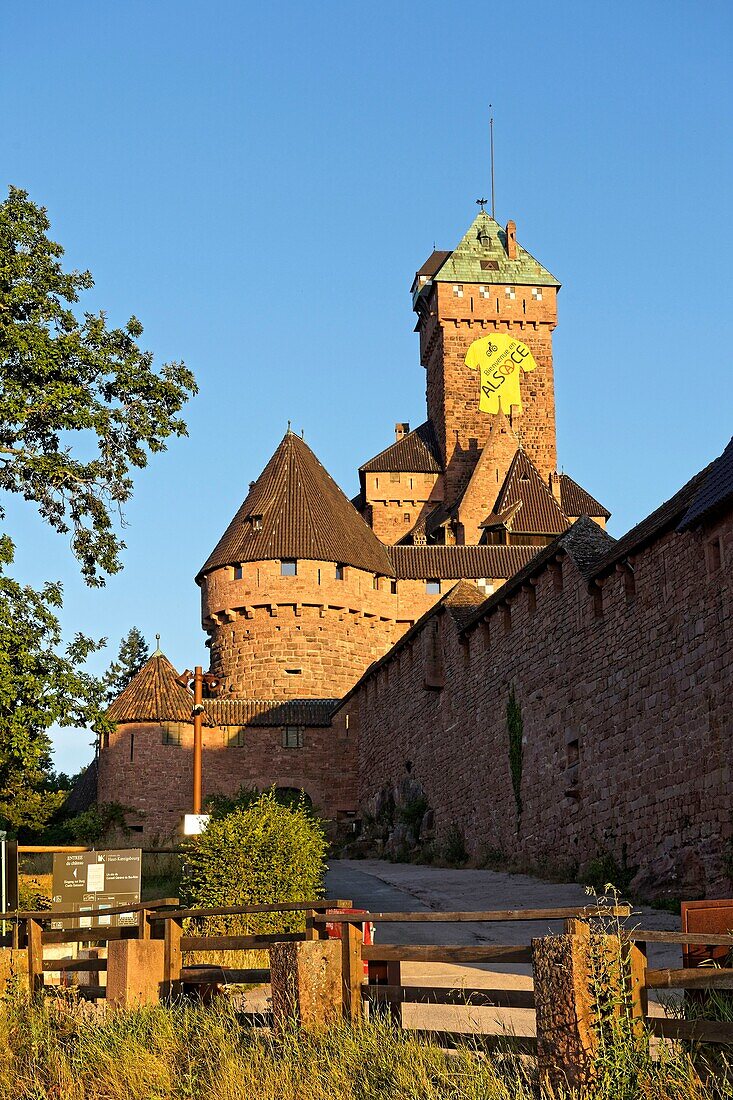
(96, 880)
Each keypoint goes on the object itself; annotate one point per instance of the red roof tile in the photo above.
(456, 562)
(296, 510)
(416, 453)
(154, 695)
(539, 514)
(575, 501)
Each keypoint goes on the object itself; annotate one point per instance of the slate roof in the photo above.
(576, 501)
(270, 712)
(473, 261)
(154, 695)
(416, 453)
(433, 263)
(662, 519)
(585, 542)
(715, 492)
(300, 513)
(84, 792)
(525, 504)
(455, 562)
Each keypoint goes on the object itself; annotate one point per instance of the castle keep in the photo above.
(358, 641)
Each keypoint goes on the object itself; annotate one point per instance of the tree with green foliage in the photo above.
(81, 408)
(261, 853)
(133, 654)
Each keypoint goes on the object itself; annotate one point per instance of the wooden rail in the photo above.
(480, 917)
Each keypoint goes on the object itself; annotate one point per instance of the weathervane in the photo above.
(482, 204)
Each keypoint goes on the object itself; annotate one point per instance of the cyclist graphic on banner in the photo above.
(500, 360)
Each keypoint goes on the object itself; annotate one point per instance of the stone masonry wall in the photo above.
(398, 500)
(453, 388)
(264, 627)
(155, 779)
(625, 704)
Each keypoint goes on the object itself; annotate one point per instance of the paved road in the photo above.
(390, 887)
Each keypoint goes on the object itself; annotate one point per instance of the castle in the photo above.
(311, 601)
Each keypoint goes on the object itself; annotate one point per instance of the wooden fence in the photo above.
(383, 986)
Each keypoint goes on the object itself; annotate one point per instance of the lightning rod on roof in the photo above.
(491, 147)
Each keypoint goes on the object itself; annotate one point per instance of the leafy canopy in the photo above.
(81, 408)
(80, 403)
(133, 654)
(260, 853)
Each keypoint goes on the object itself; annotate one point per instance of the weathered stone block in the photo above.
(306, 984)
(134, 972)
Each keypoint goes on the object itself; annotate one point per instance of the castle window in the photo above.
(294, 671)
(432, 587)
(393, 587)
(394, 476)
(509, 293)
(236, 737)
(406, 517)
(537, 293)
(288, 567)
(485, 291)
(172, 733)
(132, 747)
(458, 291)
(714, 554)
(105, 740)
(339, 572)
(572, 764)
(292, 737)
(237, 572)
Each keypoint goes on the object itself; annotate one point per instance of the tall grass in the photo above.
(64, 1050)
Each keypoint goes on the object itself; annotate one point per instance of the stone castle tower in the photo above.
(306, 590)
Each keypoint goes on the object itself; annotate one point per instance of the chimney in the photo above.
(400, 431)
(555, 486)
(511, 240)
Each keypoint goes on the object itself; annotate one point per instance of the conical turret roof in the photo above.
(154, 695)
(296, 510)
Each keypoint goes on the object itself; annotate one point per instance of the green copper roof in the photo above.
(481, 258)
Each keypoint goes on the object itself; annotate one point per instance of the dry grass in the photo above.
(68, 1051)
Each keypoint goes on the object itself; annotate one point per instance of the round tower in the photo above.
(298, 597)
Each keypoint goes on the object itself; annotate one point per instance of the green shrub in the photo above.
(259, 854)
(98, 821)
(454, 846)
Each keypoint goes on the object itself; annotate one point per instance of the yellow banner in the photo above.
(500, 359)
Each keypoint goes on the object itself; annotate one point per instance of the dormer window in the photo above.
(457, 291)
(288, 567)
(255, 522)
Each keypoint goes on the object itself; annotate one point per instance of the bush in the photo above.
(454, 846)
(261, 853)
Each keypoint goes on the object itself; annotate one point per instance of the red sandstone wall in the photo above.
(453, 389)
(642, 683)
(398, 500)
(264, 624)
(157, 781)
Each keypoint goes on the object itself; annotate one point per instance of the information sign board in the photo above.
(96, 880)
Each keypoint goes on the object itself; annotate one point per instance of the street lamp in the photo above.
(195, 822)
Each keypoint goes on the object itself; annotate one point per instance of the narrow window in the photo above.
(506, 618)
(288, 567)
(432, 587)
(319, 576)
(105, 740)
(531, 599)
(292, 737)
(406, 517)
(393, 587)
(171, 733)
(375, 583)
(294, 671)
(237, 572)
(339, 572)
(572, 764)
(132, 747)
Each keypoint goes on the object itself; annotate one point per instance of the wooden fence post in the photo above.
(143, 928)
(35, 956)
(172, 958)
(636, 984)
(394, 977)
(352, 969)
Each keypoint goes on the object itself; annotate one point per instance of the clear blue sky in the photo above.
(258, 184)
